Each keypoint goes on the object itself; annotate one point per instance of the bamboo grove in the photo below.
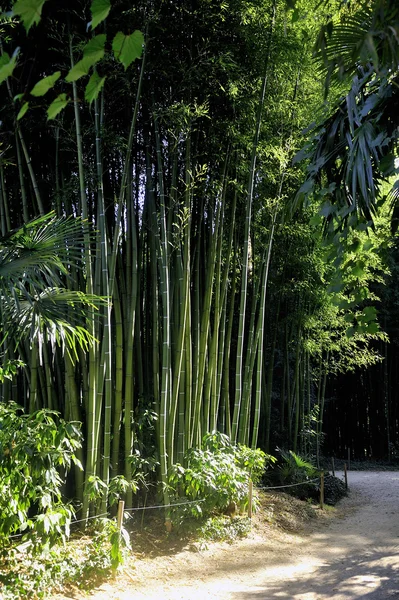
(219, 310)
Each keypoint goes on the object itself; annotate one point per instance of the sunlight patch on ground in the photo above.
(289, 571)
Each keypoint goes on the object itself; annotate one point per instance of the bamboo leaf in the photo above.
(23, 110)
(44, 85)
(30, 11)
(57, 106)
(99, 11)
(7, 64)
(128, 47)
(94, 87)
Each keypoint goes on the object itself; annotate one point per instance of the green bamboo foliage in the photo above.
(199, 311)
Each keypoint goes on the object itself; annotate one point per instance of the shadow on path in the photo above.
(371, 576)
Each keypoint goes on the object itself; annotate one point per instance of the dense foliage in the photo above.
(171, 129)
(33, 449)
(217, 475)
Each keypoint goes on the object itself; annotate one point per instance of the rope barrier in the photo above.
(88, 518)
(279, 487)
(135, 509)
(164, 505)
(17, 535)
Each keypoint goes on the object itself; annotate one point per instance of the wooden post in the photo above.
(250, 496)
(121, 508)
(333, 466)
(349, 459)
(168, 525)
(322, 491)
(346, 476)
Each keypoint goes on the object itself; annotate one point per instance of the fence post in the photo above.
(250, 496)
(121, 508)
(346, 476)
(322, 490)
(349, 459)
(333, 466)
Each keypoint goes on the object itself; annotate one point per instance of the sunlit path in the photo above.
(355, 557)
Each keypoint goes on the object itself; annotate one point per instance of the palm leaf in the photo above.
(56, 315)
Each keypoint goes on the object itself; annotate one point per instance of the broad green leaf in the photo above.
(295, 15)
(356, 245)
(79, 70)
(372, 328)
(44, 85)
(57, 106)
(315, 221)
(306, 187)
(343, 304)
(99, 11)
(7, 64)
(358, 269)
(368, 245)
(94, 87)
(23, 110)
(30, 11)
(349, 317)
(369, 314)
(350, 332)
(92, 53)
(361, 329)
(95, 47)
(336, 287)
(128, 47)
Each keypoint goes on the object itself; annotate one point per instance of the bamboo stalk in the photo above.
(165, 300)
(91, 434)
(244, 270)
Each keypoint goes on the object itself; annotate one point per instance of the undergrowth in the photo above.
(224, 529)
(79, 562)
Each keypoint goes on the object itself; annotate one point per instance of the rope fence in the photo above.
(122, 509)
(164, 505)
(279, 487)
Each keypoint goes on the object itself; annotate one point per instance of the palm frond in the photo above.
(56, 315)
(366, 41)
(352, 152)
(45, 246)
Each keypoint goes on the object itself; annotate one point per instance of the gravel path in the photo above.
(354, 557)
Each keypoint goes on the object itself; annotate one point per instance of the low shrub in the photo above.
(224, 529)
(215, 477)
(79, 562)
(33, 449)
(295, 472)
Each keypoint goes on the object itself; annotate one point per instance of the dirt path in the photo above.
(354, 556)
